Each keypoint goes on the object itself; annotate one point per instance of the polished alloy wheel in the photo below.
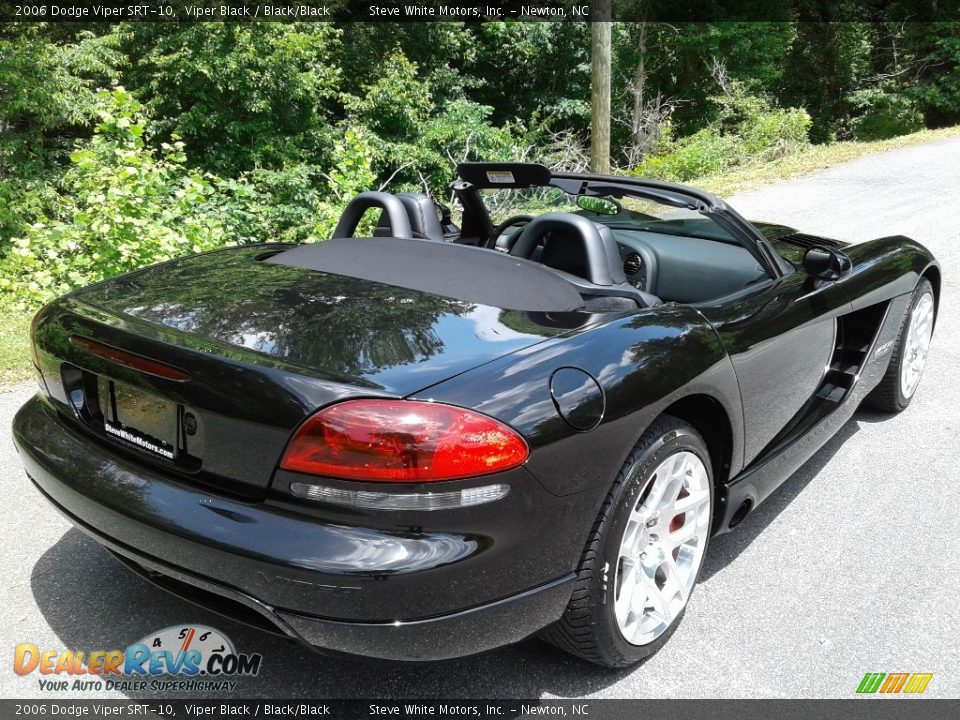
(917, 344)
(662, 548)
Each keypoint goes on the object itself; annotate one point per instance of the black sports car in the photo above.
(439, 440)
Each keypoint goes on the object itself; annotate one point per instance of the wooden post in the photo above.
(600, 53)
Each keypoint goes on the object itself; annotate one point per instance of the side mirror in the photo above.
(598, 205)
(826, 263)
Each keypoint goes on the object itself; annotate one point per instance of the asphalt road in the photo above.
(852, 567)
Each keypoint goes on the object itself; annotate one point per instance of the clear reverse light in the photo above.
(373, 500)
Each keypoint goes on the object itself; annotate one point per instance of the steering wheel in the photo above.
(501, 227)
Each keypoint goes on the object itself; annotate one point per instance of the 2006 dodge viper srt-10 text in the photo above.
(442, 439)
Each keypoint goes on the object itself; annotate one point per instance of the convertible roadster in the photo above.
(525, 414)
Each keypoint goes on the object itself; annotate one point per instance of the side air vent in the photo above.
(808, 241)
(632, 264)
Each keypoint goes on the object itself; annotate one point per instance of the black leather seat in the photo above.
(424, 217)
(587, 254)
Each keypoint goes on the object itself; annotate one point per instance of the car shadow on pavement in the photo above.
(92, 602)
(724, 549)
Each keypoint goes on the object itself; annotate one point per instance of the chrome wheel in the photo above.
(916, 345)
(662, 548)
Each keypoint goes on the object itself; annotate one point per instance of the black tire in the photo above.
(588, 627)
(888, 396)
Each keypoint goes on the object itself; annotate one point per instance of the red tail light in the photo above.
(402, 441)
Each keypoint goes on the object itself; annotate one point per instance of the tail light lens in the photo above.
(402, 441)
(130, 360)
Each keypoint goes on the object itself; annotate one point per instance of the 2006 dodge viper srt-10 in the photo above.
(526, 414)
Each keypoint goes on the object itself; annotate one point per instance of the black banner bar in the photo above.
(873, 708)
(467, 11)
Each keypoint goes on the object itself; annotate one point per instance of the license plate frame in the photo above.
(141, 419)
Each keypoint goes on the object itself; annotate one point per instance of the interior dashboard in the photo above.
(685, 269)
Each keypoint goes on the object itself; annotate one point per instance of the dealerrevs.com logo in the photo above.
(199, 658)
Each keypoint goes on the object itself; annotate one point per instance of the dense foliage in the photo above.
(122, 145)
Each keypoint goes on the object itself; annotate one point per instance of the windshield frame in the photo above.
(670, 194)
(680, 196)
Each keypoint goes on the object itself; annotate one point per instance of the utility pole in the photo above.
(600, 54)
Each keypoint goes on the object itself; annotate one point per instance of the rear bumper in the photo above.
(250, 561)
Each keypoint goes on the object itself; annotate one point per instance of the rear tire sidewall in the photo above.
(681, 439)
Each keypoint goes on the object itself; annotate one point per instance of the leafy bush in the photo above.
(352, 170)
(409, 140)
(878, 114)
(747, 129)
(462, 131)
(762, 129)
(122, 206)
(46, 98)
(396, 103)
(702, 153)
(300, 203)
(241, 96)
(45, 85)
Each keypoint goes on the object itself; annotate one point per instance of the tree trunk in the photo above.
(637, 124)
(600, 88)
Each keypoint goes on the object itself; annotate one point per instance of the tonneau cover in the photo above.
(460, 272)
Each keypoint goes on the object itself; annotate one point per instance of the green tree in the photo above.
(825, 63)
(122, 206)
(47, 76)
(240, 96)
(929, 69)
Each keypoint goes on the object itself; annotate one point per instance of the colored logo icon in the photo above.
(894, 683)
